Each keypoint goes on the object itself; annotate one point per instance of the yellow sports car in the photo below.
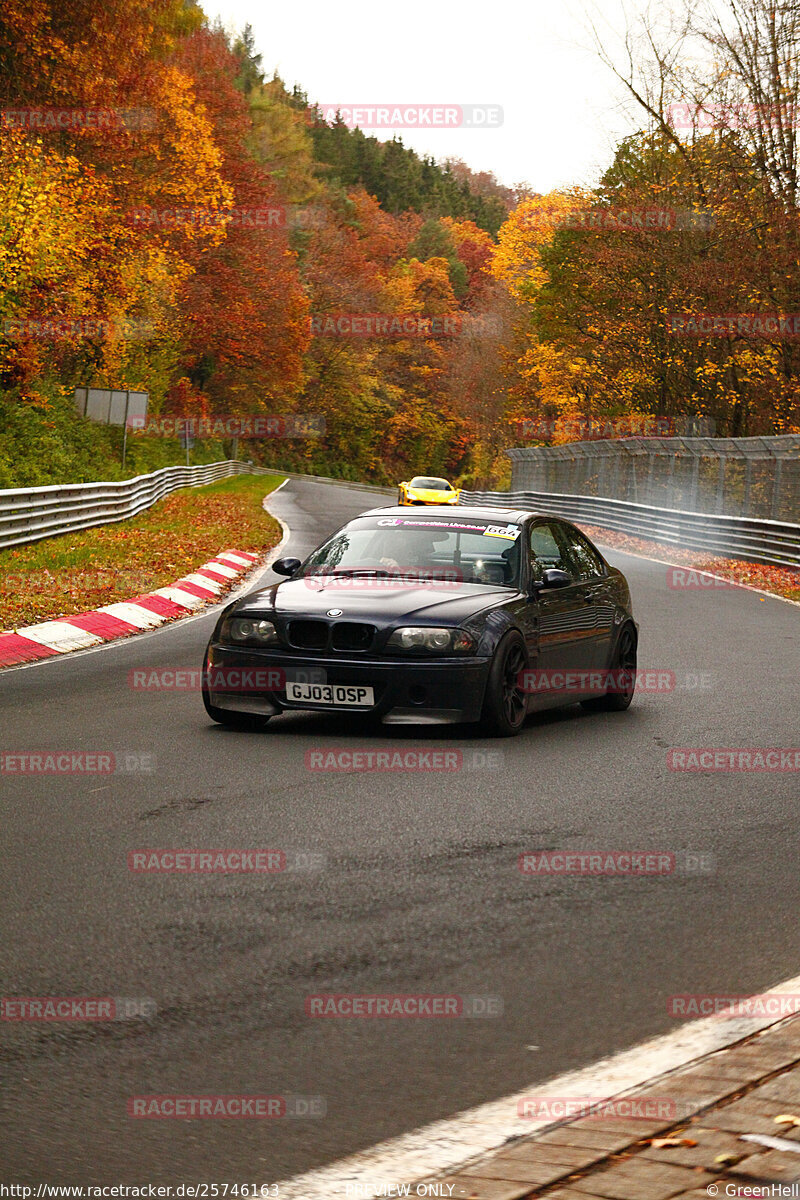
(423, 489)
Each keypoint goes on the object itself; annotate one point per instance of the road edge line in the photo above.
(451, 1144)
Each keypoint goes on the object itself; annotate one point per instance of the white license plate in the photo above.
(342, 695)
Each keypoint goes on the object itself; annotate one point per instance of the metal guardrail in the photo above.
(30, 514)
(748, 538)
(350, 484)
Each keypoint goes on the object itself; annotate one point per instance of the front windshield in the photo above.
(467, 551)
(432, 485)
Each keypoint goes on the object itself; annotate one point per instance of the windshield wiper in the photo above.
(350, 571)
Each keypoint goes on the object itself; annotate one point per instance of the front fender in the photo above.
(495, 625)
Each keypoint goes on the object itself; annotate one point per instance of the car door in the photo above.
(591, 571)
(565, 623)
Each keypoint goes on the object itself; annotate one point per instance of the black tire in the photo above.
(233, 720)
(505, 704)
(625, 664)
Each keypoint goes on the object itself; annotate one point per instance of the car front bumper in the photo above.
(406, 692)
(404, 501)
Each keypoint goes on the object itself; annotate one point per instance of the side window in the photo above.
(588, 562)
(545, 551)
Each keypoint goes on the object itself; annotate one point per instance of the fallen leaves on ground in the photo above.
(783, 581)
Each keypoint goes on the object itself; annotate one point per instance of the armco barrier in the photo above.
(29, 514)
(747, 538)
(350, 484)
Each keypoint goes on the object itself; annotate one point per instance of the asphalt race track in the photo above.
(420, 892)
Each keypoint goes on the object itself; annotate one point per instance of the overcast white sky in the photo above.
(562, 113)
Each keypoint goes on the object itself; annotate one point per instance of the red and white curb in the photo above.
(89, 629)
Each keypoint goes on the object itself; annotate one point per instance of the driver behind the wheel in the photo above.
(421, 552)
(498, 570)
(416, 551)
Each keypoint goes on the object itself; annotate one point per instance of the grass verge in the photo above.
(782, 581)
(75, 572)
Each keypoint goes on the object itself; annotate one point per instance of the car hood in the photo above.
(381, 601)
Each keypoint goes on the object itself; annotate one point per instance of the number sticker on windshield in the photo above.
(511, 532)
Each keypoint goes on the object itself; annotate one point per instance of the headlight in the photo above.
(429, 638)
(256, 632)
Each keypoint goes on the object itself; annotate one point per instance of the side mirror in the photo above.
(286, 566)
(552, 577)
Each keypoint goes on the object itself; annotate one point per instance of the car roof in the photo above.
(515, 515)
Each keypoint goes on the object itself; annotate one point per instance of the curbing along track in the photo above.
(86, 630)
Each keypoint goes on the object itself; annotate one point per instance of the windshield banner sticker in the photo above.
(511, 532)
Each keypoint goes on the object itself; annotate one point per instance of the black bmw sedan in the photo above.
(432, 617)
